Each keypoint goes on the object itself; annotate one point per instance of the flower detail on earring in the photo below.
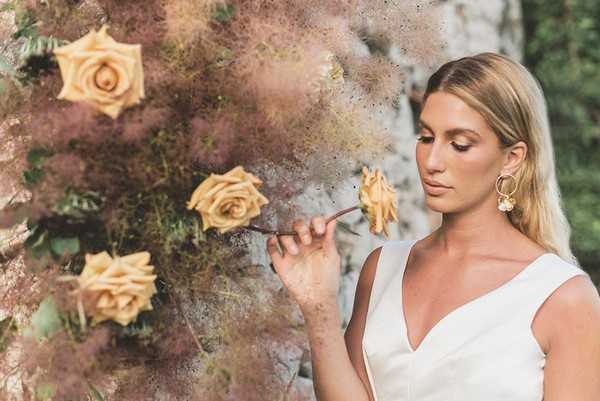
(505, 202)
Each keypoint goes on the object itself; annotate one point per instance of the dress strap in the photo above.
(548, 278)
(390, 264)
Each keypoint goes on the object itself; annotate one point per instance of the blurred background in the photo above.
(556, 39)
(561, 49)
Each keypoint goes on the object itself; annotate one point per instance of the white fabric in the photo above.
(484, 350)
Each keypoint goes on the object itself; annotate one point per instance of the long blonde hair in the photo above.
(512, 102)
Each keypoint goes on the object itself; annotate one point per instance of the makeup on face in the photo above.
(435, 190)
(468, 136)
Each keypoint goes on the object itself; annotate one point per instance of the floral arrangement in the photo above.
(135, 144)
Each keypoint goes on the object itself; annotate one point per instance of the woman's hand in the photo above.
(310, 268)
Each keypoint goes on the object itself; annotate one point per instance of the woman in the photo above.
(492, 305)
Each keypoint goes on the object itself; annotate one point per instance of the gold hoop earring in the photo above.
(505, 202)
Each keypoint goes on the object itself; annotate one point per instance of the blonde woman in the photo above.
(492, 306)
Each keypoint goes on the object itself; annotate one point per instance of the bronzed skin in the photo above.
(462, 260)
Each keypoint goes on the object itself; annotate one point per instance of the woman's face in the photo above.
(457, 149)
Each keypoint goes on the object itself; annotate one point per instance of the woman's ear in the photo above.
(514, 157)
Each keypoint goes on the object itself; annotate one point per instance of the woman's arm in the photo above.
(310, 269)
(334, 377)
(356, 326)
(342, 355)
(572, 370)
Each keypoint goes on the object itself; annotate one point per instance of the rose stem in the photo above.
(267, 231)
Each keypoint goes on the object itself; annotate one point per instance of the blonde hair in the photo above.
(512, 102)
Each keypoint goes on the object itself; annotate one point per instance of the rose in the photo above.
(118, 288)
(102, 72)
(229, 200)
(377, 201)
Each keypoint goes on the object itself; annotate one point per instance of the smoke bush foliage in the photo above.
(241, 82)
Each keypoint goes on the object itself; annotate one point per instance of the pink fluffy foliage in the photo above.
(69, 365)
(66, 169)
(212, 142)
(137, 125)
(280, 69)
(57, 124)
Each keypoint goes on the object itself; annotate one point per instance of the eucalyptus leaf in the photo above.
(61, 246)
(45, 322)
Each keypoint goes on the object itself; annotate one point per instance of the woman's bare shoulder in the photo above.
(573, 303)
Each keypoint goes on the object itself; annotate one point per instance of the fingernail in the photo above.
(294, 250)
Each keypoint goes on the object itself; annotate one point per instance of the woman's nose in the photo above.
(434, 161)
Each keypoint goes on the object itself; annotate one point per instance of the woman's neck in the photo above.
(474, 231)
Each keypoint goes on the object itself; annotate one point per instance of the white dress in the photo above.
(482, 351)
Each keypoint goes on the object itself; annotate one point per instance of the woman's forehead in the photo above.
(445, 111)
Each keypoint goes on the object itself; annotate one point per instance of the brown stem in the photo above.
(277, 232)
(172, 294)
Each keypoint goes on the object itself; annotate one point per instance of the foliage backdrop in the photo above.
(561, 48)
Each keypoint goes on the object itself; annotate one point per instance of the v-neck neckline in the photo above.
(455, 310)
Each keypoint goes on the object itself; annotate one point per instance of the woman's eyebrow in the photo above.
(451, 132)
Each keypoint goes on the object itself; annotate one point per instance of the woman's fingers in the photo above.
(279, 245)
(303, 232)
(289, 244)
(274, 253)
(330, 232)
(318, 224)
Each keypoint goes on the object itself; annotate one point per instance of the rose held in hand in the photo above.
(377, 200)
(310, 268)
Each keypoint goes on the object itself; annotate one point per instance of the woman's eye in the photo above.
(429, 139)
(461, 148)
(425, 139)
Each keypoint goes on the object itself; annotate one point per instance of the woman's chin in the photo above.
(438, 204)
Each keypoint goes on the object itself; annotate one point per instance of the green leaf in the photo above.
(78, 205)
(8, 6)
(37, 243)
(224, 13)
(8, 328)
(45, 322)
(45, 391)
(61, 246)
(32, 177)
(95, 393)
(26, 25)
(37, 156)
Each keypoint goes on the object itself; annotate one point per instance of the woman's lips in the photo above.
(434, 189)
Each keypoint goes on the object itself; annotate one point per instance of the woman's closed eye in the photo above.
(429, 139)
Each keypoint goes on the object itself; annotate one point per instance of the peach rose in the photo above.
(229, 200)
(377, 201)
(119, 288)
(102, 72)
